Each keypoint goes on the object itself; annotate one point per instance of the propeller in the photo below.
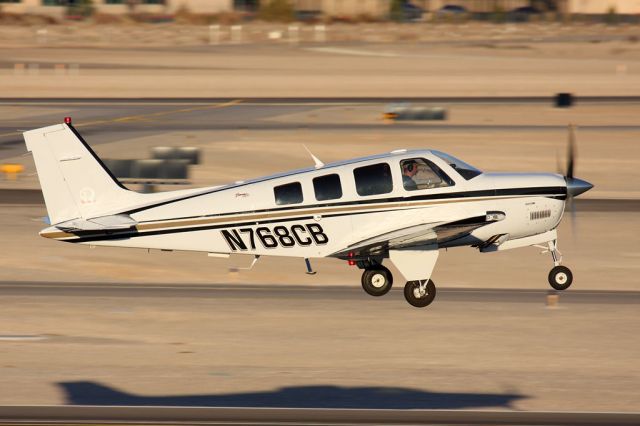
(575, 186)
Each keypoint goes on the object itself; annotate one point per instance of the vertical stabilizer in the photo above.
(74, 181)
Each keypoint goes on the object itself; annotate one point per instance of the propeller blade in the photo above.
(571, 152)
(572, 211)
(575, 186)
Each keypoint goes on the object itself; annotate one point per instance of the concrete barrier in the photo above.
(174, 169)
(236, 34)
(145, 169)
(191, 154)
(214, 34)
(150, 172)
(148, 169)
(161, 171)
(320, 33)
(119, 168)
(33, 69)
(293, 33)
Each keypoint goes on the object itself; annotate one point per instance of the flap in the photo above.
(418, 235)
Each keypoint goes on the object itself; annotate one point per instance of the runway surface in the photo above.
(105, 120)
(316, 348)
(265, 416)
(289, 292)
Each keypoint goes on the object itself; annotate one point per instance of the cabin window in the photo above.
(327, 187)
(419, 173)
(374, 179)
(290, 193)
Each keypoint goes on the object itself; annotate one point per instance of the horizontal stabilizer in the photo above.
(104, 223)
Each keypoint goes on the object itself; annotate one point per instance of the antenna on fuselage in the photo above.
(318, 164)
(310, 270)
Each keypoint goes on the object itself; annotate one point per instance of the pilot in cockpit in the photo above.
(409, 170)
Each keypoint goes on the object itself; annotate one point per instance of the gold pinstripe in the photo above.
(281, 215)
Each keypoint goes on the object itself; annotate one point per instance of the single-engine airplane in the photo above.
(403, 206)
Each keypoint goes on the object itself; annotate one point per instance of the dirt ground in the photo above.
(359, 60)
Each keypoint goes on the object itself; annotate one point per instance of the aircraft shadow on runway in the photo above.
(93, 393)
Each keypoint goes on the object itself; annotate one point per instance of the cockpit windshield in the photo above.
(465, 170)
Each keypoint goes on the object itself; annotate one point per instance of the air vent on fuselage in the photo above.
(540, 214)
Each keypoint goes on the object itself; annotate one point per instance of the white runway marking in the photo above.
(353, 52)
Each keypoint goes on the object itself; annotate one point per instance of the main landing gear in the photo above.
(560, 277)
(378, 280)
(420, 293)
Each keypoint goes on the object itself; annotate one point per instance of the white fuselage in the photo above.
(245, 217)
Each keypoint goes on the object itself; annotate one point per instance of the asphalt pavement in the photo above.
(278, 416)
(299, 292)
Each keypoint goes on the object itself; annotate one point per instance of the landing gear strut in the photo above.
(560, 277)
(420, 293)
(377, 280)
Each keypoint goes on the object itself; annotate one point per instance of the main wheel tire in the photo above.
(416, 297)
(377, 281)
(560, 277)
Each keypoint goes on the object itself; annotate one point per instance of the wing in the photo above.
(418, 235)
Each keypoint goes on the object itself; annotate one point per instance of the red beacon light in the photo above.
(351, 262)
(67, 120)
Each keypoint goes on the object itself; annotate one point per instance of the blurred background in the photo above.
(186, 93)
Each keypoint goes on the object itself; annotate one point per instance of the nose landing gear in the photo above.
(560, 277)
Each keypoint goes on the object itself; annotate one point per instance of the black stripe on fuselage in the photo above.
(89, 236)
(550, 191)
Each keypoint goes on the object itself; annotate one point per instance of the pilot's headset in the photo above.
(410, 166)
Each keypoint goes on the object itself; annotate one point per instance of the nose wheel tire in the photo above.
(377, 281)
(420, 293)
(560, 277)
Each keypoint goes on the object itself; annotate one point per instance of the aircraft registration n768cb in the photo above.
(402, 207)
